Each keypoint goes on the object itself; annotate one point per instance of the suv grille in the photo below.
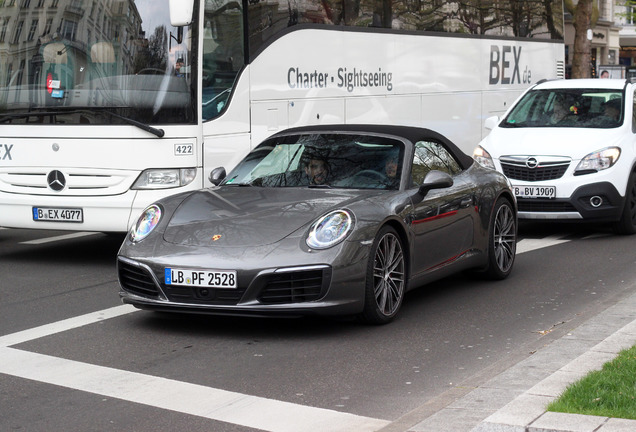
(516, 168)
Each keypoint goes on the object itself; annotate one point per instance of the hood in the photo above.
(575, 143)
(250, 216)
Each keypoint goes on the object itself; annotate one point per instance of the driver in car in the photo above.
(317, 171)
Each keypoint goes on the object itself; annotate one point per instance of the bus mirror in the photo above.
(217, 175)
(491, 122)
(181, 12)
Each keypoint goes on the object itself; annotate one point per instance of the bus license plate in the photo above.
(56, 214)
(201, 278)
(535, 191)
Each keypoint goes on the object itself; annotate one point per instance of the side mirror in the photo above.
(435, 180)
(181, 12)
(217, 175)
(491, 122)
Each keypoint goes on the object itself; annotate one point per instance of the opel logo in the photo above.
(56, 180)
(532, 163)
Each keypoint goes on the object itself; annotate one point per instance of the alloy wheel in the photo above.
(388, 274)
(505, 238)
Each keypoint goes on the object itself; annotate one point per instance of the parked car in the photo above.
(569, 149)
(333, 220)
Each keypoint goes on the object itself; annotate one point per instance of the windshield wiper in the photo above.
(155, 131)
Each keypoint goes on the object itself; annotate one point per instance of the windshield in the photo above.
(581, 108)
(322, 160)
(95, 62)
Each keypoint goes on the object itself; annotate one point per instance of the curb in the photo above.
(502, 404)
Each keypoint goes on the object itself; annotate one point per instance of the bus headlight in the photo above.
(165, 178)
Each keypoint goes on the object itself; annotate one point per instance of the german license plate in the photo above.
(535, 191)
(57, 214)
(201, 278)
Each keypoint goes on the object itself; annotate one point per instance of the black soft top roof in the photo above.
(410, 133)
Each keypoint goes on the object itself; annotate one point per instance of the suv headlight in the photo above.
(330, 229)
(598, 161)
(165, 178)
(483, 157)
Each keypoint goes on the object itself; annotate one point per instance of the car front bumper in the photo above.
(293, 288)
(594, 202)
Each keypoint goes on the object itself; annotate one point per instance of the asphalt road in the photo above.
(72, 358)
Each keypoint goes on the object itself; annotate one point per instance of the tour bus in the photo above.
(108, 105)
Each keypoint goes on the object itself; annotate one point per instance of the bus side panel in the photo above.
(399, 110)
(456, 115)
(311, 112)
(269, 117)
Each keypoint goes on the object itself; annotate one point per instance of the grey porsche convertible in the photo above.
(331, 220)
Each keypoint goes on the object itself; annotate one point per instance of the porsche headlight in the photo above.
(147, 222)
(330, 229)
(598, 161)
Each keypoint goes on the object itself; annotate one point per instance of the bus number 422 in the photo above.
(183, 149)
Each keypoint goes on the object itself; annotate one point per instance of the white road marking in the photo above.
(64, 325)
(58, 238)
(207, 402)
(527, 245)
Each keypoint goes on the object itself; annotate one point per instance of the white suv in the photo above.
(569, 150)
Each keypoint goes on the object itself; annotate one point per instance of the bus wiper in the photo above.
(155, 131)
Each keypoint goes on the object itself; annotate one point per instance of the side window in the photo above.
(223, 53)
(429, 156)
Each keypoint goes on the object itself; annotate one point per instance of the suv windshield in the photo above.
(95, 62)
(581, 108)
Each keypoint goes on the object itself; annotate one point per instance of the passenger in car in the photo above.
(611, 114)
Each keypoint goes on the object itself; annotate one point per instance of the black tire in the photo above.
(386, 278)
(627, 223)
(502, 240)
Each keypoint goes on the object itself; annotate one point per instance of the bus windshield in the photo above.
(96, 62)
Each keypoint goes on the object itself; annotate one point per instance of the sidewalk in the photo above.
(515, 400)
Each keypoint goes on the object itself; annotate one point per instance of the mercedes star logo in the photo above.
(56, 180)
(532, 163)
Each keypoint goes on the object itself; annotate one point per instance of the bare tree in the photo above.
(585, 15)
